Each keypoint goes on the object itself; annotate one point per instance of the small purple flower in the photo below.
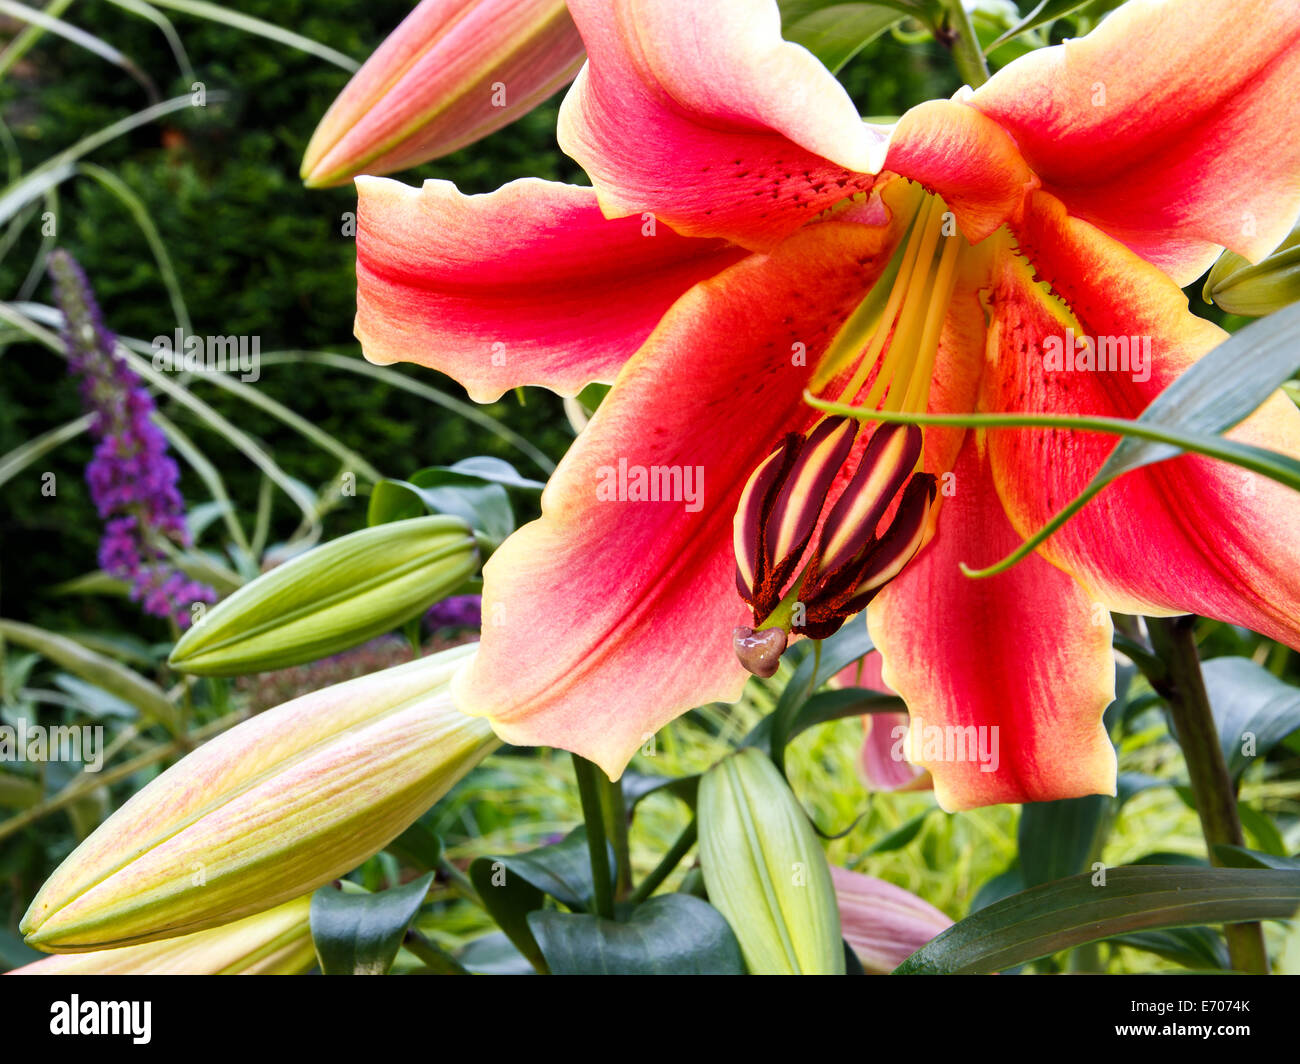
(132, 478)
(459, 611)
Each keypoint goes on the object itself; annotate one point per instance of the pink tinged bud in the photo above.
(884, 924)
(451, 73)
(275, 942)
(280, 804)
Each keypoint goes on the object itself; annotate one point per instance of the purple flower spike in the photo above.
(132, 478)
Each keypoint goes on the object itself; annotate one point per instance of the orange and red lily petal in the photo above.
(530, 284)
(1171, 126)
(955, 151)
(701, 114)
(608, 616)
(1005, 679)
(1227, 540)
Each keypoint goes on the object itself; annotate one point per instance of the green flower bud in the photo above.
(765, 869)
(331, 598)
(265, 812)
(1255, 290)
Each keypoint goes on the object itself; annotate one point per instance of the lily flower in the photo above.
(450, 74)
(748, 237)
(884, 924)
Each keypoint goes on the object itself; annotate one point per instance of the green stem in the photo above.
(614, 809)
(589, 790)
(665, 867)
(1183, 688)
(438, 961)
(965, 45)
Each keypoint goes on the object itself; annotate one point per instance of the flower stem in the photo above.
(665, 867)
(590, 786)
(965, 45)
(614, 809)
(1183, 688)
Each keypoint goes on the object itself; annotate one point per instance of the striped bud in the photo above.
(451, 73)
(275, 942)
(779, 509)
(765, 869)
(331, 598)
(265, 812)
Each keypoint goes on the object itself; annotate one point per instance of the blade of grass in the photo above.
(148, 11)
(397, 380)
(51, 23)
(249, 24)
(26, 453)
(140, 213)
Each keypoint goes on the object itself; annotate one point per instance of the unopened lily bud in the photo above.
(265, 812)
(451, 73)
(765, 870)
(275, 942)
(1255, 290)
(331, 598)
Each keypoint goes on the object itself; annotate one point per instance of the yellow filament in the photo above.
(896, 294)
(918, 388)
(909, 322)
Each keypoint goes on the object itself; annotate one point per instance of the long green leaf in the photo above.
(249, 24)
(148, 11)
(1070, 912)
(57, 167)
(140, 213)
(60, 28)
(397, 380)
(360, 934)
(94, 668)
(25, 454)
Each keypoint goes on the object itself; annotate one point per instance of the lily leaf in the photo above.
(513, 886)
(1047, 11)
(1192, 947)
(1253, 709)
(671, 934)
(835, 32)
(1070, 912)
(1240, 857)
(360, 933)
(482, 504)
(1058, 839)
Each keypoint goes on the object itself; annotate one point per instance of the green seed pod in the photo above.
(765, 869)
(331, 598)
